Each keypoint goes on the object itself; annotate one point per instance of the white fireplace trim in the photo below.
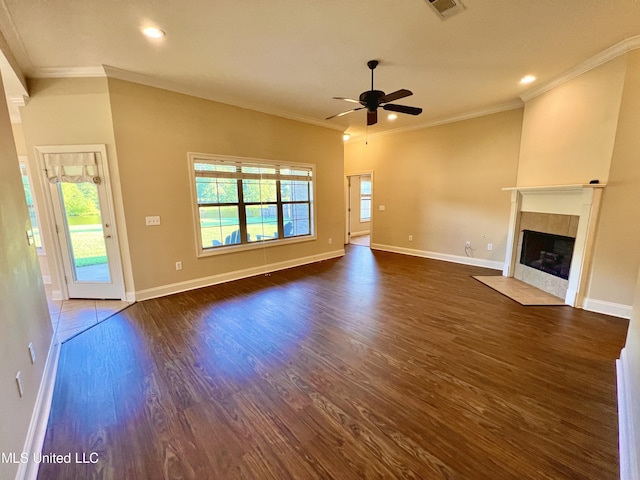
(580, 200)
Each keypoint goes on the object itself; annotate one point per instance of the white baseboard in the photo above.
(476, 262)
(629, 443)
(130, 297)
(231, 276)
(40, 416)
(608, 308)
(56, 295)
(361, 234)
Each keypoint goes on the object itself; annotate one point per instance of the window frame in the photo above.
(201, 251)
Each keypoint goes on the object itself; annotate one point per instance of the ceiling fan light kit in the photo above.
(445, 8)
(372, 99)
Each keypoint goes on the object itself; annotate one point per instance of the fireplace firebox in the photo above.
(548, 253)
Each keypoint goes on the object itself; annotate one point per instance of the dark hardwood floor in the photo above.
(375, 365)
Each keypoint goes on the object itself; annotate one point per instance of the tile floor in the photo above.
(362, 240)
(70, 317)
(519, 291)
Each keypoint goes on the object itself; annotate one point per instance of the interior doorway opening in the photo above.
(359, 208)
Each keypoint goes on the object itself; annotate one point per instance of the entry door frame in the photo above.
(347, 203)
(56, 253)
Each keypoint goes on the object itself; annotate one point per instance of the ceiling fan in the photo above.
(372, 99)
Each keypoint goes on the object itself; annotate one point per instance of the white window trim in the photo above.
(194, 157)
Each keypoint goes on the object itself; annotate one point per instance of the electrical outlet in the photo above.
(32, 353)
(153, 220)
(489, 246)
(382, 208)
(178, 265)
(20, 385)
(330, 241)
(467, 244)
(411, 238)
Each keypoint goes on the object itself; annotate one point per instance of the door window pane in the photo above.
(87, 247)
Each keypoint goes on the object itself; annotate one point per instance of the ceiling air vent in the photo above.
(445, 8)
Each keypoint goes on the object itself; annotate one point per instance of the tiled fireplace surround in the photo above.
(555, 224)
(569, 210)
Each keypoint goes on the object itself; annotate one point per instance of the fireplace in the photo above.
(551, 236)
(547, 252)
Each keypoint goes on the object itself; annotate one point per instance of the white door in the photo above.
(84, 224)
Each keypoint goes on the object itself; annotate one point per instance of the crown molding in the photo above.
(126, 75)
(18, 100)
(67, 72)
(503, 107)
(610, 53)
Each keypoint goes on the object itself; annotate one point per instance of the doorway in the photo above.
(81, 215)
(359, 208)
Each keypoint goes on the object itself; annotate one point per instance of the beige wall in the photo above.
(568, 133)
(617, 258)
(73, 111)
(18, 136)
(154, 130)
(443, 184)
(24, 315)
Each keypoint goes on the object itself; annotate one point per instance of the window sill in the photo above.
(253, 246)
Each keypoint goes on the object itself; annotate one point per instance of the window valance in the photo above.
(71, 167)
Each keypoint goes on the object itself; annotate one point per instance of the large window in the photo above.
(250, 202)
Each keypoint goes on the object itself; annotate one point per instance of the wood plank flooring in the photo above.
(375, 366)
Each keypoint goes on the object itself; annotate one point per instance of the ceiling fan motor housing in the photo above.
(371, 99)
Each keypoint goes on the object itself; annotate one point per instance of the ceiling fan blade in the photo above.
(343, 113)
(372, 117)
(346, 99)
(403, 109)
(390, 97)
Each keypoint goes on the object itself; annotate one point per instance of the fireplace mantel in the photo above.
(552, 188)
(582, 200)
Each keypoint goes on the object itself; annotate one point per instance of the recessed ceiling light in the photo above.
(527, 79)
(153, 32)
(392, 116)
(346, 137)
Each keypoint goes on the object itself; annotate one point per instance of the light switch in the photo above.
(154, 220)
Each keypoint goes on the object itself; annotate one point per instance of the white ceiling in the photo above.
(292, 56)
